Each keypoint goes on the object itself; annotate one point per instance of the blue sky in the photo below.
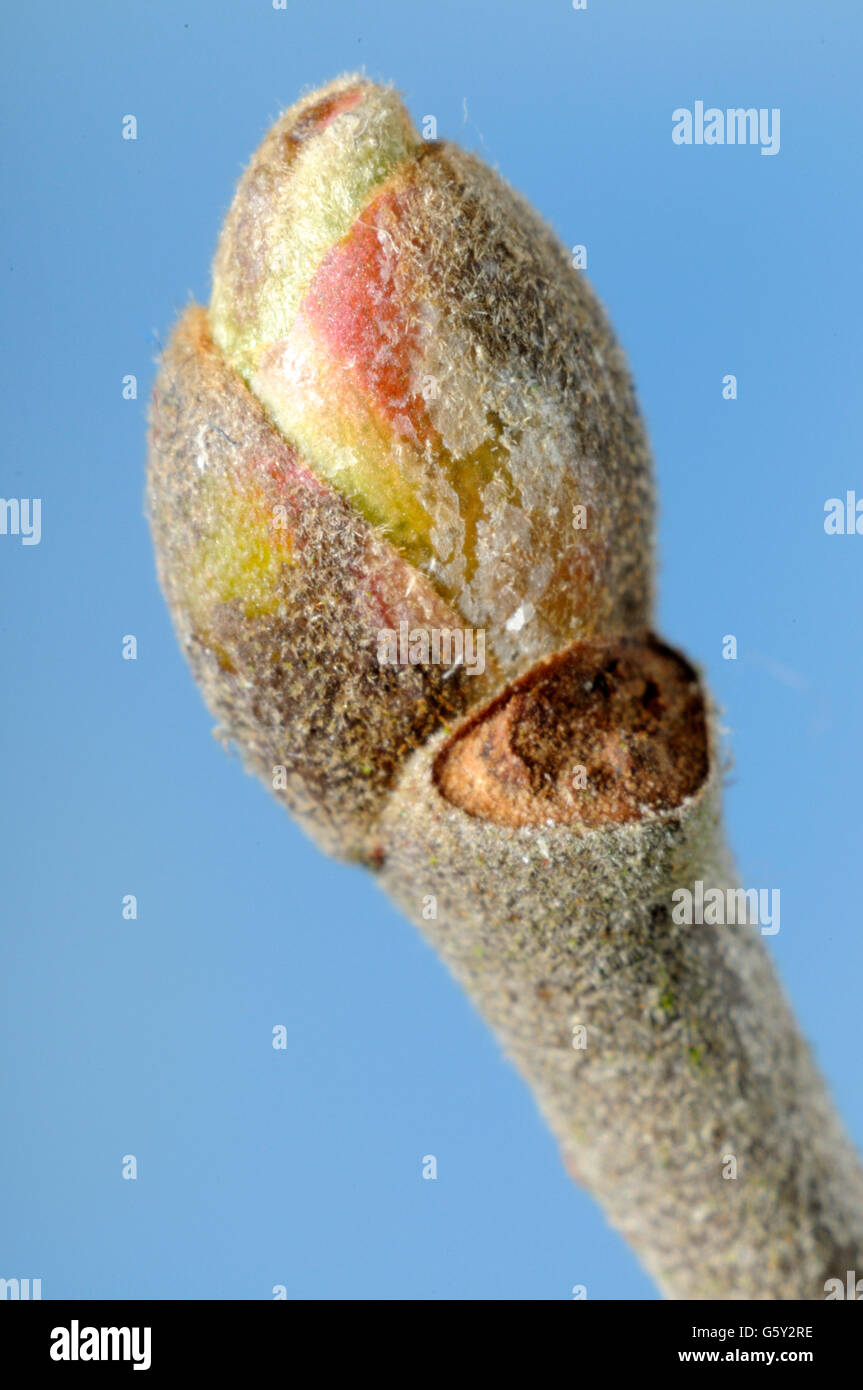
(153, 1037)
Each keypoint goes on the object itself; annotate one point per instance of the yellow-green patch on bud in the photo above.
(284, 599)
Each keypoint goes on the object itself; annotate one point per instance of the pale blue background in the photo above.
(154, 1037)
